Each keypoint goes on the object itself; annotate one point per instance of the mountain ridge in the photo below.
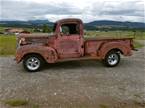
(93, 24)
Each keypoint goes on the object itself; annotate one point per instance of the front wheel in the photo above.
(32, 63)
(112, 59)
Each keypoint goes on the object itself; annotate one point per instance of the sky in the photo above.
(87, 10)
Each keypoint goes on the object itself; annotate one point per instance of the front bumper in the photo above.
(18, 59)
(18, 56)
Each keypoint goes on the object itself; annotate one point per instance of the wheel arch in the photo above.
(116, 50)
(33, 53)
(47, 53)
(113, 46)
(49, 56)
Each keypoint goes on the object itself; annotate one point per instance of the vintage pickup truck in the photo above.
(67, 43)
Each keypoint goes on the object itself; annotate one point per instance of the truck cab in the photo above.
(67, 43)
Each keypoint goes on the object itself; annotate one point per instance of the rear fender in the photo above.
(105, 48)
(49, 54)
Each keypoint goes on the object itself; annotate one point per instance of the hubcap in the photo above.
(113, 59)
(33, 63)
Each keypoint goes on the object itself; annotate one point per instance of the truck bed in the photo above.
(93, 45)
(105, 38)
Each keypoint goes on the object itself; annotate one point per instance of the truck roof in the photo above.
(69, 20)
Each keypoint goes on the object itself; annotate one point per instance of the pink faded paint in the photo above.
(69, 45)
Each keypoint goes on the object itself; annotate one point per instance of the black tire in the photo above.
(33, 63)
(112, 59)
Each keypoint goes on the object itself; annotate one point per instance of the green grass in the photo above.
(103, 106)
(7, 45)
(2, 29)
(35, 106)
(16, 102)
(19, 103)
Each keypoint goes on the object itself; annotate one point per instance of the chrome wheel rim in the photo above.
(33, 63)
(113, 59)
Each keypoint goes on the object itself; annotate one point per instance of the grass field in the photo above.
(7, 45)
(8, 42)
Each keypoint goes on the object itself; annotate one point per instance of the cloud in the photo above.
(123, 10)
(27, 10)
(130, 8)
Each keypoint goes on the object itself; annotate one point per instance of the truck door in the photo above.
(69, 43)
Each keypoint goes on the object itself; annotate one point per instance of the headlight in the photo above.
(22, 41)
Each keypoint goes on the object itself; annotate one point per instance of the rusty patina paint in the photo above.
(58, 47)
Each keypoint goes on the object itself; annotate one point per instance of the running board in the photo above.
(78, 58)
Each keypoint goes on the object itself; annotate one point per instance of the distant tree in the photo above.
(37, 29)
(46, 29)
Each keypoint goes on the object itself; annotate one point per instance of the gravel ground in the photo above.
(77, 84)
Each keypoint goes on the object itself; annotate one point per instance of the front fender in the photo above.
(49, 54)
(105, 48)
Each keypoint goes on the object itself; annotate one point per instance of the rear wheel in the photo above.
(112, 59)
(33, 63)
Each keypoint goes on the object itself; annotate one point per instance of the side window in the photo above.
(65, 30)
(70, 29)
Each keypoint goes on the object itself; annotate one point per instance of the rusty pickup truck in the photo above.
(67, 43)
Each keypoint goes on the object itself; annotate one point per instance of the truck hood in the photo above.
(34, 38)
